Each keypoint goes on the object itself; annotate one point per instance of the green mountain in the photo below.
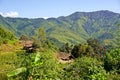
(75, 28)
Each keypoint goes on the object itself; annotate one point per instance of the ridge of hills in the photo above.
(74, 28)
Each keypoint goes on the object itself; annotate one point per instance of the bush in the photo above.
(112, 61)
(87, 68)
(40, 65)
(82, 50)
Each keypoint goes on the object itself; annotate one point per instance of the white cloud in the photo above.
(1, 13)
(45, 17)
(10, 14)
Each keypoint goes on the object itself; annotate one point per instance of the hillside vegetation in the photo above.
(75, 28)
(34, 55)
(6, 36)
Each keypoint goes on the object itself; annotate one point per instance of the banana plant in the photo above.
(17, 71)
(37, 62)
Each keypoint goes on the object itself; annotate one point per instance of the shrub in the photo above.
(112, 61)
(82, 50)
(87, 68)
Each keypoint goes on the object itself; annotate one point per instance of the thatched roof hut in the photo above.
(28, 45)
(65, 56)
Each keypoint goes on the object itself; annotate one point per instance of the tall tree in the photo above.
(95, 44)
(40, 38)
(41, 35)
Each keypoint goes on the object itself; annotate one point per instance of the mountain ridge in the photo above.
(74, 28)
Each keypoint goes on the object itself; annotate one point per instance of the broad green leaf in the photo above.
(16, 72)
(37, 58)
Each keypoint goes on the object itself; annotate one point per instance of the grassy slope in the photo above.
(8, 57)
(13, 58)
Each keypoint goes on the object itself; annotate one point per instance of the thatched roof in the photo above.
(65, 56)
(28, 44)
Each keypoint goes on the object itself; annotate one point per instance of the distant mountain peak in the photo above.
(74, 28)
(94, 14)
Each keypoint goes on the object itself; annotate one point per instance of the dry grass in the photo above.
(6, 48)
(7, 58)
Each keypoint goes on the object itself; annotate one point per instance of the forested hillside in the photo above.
(75, 28)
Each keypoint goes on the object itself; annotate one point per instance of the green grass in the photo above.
(6, 63)
(50, 69)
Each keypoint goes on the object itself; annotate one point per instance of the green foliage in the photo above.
(41, 35)
(95, 44)
(66, 48)
(82, 50)
(47, 70)
(87, 68)
(112, 61)
(118, 36)
(44, 66)
(75, 28)
(40, 38)
(16, 72)
(7, 61)
(5, 35)
(50, 45)
(41, 42)
(40, 65)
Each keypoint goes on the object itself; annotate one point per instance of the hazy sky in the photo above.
(54, 8)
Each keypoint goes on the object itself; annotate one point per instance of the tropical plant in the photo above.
(29, 64)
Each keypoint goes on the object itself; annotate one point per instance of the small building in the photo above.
(65, 56)
(28, 46)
